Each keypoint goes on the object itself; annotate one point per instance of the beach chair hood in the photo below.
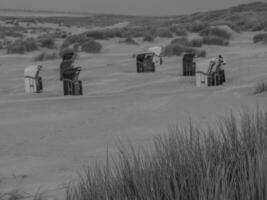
(156, 50)
(32, 71)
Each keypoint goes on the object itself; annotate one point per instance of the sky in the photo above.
(131, 7)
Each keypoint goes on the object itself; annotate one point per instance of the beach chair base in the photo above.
(72, 87)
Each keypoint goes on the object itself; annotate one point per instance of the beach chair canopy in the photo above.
(69, 55)
(188, 57)
(142, 56)
(156, 50)
(32, 71)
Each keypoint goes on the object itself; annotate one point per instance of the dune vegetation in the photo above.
(223, 162)
(246, 17)
(226, 161)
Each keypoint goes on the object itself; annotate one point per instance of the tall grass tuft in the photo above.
(224, 162)
(260, 88)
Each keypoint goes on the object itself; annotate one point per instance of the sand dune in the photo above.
(46, 137)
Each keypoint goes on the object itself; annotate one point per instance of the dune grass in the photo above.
(260, 88)
(224, 162)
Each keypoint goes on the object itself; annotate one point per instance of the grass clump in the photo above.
(260, 37)
(260, 87)
(91, 46)
(224, 162)
(46, 56)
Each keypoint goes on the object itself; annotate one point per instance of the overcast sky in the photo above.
(133, 7)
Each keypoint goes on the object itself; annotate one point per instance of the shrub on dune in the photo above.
(47, 42)
(230, 24)
(31, 44)
(129, 40)
(215, 31)
(197, 42)
(91, 46)
(178, 30)
(179, 46)
(80, 39)
(196, 27)
(260, 37)
(164, 32)
(148, 38)
(214, 40)
(22, 46)
(16, 47)
(182, 41)
(173, 50)
(97, 35)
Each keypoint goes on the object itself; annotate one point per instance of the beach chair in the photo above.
(71, 84)
(32, 79)
(189, 66)
(144, 62)
(210, 74)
